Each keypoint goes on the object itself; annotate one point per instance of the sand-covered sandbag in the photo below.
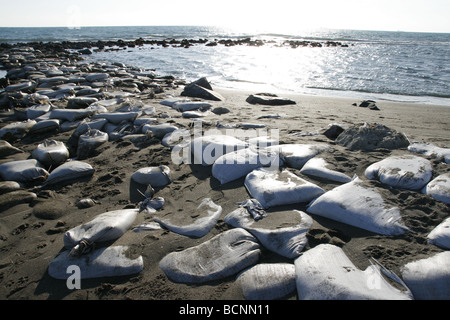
(70, 114)
(117, 117)
(29, 170)
(51, 153)
(371, 136)
(6, 149)
(89, 141)
(8, 186)
(275, 188)
(70, 171)
(326, 273)
(224, 255)
(296, 155)
(319, 168)
(285, 234)
(201, 226)
(176, 137)
(104, 227)
(84, 126)
(238, 164)
(16, 197)
(359, 205)
(191, 105)
(207, 149)
(154, 176)
(38, 110)
(45, 126)
(159, 130)
(16, 130)
(267, 281)
(439, 188)
(408, 172)
(440, 235)
(103, 262)
(430, 150)
(429, 278)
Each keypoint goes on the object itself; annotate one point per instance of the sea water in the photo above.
(398, 66)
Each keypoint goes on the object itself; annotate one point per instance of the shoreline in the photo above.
(29, 242)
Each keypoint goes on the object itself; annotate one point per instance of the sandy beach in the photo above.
(31, 234)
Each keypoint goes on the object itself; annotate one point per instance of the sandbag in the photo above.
(439, 188)
(23, 171)
(440, 235)
(274, 188)
(237, 164)
(224, 255)
(429, 278)
(51, 153)
(16, 130)
(326, 273)
(68, 171)
(207, 149)
(359, 205)
(154, 176)
(408, 172)
(90, 141)
(430, 150)
(267, 281)
(318, 167)
(104, 227)
(296, 155)
(103, 262)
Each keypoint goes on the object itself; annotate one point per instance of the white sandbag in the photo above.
(103, 262)
(84, 126)
(267, 281)
(359, 205)
(190, 106)
(70, 114)
(326, 273)
(429, 279)
(440, 235)
(237, 164)
(439, 188)
(6, 149)
(172, 100)
(201, 226)
(90, 141)
(224, 255)
(408, 172)
(104, 227)
(16, 130)
(51, 153)
(23, 171)
(38, 110)
(287, 241)
(45, 126)
(318, 167)
(68, 171)
(274, 188)
(176, 137)
(154, 176)
(117, 117)
(159, 130)
(296, 155)
(430, 150)
(207, 149)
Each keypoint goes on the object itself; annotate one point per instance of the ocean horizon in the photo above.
(380, 65)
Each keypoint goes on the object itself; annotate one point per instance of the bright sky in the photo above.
(271, 15)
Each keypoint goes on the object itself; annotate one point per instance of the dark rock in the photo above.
(201, 88)
(333, 131)
(85, 51)
(369, 104)
(268, 99)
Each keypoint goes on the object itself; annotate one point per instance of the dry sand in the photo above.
(28, 244)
